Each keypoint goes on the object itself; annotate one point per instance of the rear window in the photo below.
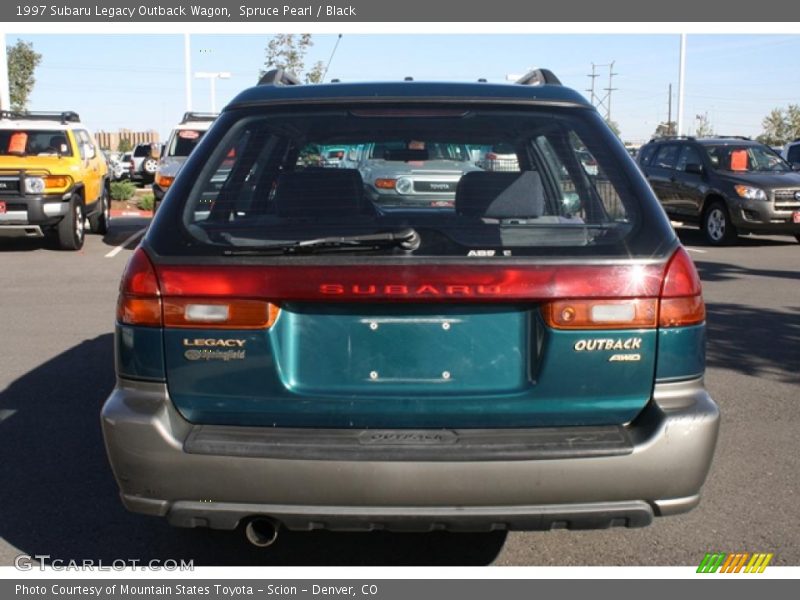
(267, 186)
(36, 142)
(183, 142)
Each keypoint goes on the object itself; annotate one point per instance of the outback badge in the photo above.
(609, 344)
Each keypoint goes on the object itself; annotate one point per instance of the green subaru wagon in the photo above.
(520, 349)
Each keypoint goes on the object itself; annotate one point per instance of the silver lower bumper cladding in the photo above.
(168, 467)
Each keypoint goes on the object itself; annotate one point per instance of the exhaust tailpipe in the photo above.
(262, 531)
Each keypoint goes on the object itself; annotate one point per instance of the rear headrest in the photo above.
(320, 193)
(500, 195)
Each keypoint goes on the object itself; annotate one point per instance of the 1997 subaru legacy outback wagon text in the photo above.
(528, 355)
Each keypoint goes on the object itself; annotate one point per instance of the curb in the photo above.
(146, 214)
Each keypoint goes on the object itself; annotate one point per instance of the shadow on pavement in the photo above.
(754, 341)
(59, 497)
(692, 236)
(714, 271)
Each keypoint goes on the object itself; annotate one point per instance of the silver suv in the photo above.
(180, 144)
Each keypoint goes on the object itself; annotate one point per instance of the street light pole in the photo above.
(212, 77)
(187, 70)
(681, 91)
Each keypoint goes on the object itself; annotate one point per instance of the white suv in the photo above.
(181, 142)
(791, 153)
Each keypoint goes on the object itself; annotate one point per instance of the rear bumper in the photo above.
(215, 476)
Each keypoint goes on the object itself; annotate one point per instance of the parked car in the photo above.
(500, 157)
(332, 157)
(293, 350)
(730, 186)
(403, 172)
(183, 139)
(53, 178)
(791, 153)
(116, 170)
(126, 162)
(144, 162)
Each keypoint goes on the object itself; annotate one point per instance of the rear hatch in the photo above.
(287, 299)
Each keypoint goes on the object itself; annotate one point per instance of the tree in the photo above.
(614, 127)
(124, 145)
(22, 62)
(666, 128)
(704, 127)
(781, 125)
(288, 51)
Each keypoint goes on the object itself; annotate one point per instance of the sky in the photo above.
(137, 81)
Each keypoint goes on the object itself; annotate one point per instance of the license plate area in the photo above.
(338, 350)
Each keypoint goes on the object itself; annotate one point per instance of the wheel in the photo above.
(717, 225)
(99, 222)
(71, 229)
(150, 165)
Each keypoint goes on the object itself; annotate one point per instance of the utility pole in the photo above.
(610, 89)
(604, 103)
(593, 76)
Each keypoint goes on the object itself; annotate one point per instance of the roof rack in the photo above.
(539, 77)
(189, 117)
(731, 137)
(279, 77)
(672, 137)
(65, 117)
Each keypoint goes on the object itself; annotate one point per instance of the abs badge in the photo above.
(214, 349)
(610, 344)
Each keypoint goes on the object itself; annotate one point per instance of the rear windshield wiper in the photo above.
(405, 239)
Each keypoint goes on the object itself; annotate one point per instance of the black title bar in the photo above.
(470, 11)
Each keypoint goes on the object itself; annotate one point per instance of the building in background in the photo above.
(110, 140)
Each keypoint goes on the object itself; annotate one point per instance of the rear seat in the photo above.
(487, 194)
(322, 193)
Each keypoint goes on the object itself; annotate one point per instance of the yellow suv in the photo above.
(52, 178)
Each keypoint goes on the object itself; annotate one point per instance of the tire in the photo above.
(99, 222)
(717, 226)
(150, 166)
(71, 229)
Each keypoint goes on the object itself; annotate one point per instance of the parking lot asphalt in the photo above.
(58, 496)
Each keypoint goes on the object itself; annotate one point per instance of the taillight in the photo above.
(681, 294)
(139, 300)
(491, 156)
(601, 314)
(203, 313)
(142, 303)
(164, 181)
(680, 303)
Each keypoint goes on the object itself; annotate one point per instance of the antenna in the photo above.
(339, 39)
